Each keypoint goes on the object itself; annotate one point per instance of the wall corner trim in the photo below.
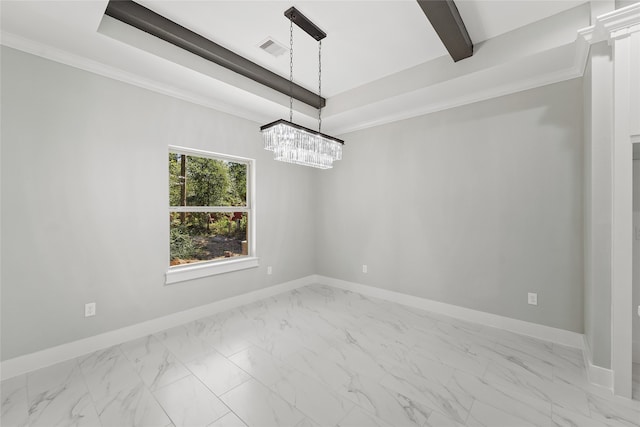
(547, 333)
(597, 375)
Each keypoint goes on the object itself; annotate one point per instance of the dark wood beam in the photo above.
(446, 20)
(150, 22)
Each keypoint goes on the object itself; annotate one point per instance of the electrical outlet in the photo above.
(364, 268)
(532, 298)
(639, 311)
(269, 270)
(90, 309)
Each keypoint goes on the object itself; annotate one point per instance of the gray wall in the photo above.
(84, 197)
(598, 132)
(473, 206)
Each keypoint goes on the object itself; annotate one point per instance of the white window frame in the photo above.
(181, 273)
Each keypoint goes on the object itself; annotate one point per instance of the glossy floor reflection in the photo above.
(318, 356)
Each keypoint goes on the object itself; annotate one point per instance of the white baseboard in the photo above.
(547, 333)
(597, 375)
(50, 356)
(40, 359)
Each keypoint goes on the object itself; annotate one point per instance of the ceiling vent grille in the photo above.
(272, 47)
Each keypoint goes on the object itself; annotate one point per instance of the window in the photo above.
(211, 214)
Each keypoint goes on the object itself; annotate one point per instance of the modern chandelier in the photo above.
(291, 142)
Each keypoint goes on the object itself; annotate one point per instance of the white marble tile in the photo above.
(134, 406)
(572, 353)
(523, 381)
(566, 418)
(463, 356)
(488, 416)
(108, 372)
(319, 357)
(438, 419)
(217, 372)
(519, 360)
(189, 403)
(312, 398)
(120, 396)
(260, 365)
(58, 396)
(450, 401)
(258, 406)
(155, 364)
(527, 408)
(13, 392)
(230, 332)
(613, 413)
(334, 375)
(357, 417)
(356, 357)
(392, 406)
(229, 420)
(277, 345)
(414, 363)
(188, 341)
(307, 422)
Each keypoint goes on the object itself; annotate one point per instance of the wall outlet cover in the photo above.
(532, 298)
(90, 309)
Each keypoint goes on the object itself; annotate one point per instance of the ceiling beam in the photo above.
(446, 20)
(150, 22)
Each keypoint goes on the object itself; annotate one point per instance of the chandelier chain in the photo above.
(319, 85)
(291, 69)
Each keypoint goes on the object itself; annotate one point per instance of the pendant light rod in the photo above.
(304, 23)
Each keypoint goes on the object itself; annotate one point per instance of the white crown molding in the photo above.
(613, 25)
(64, 57)
(424, 102)
(390, 109)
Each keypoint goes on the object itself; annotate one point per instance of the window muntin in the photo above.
(210, 212)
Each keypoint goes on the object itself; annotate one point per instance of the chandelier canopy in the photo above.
(291, 142)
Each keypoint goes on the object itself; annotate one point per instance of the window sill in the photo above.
(196, 271)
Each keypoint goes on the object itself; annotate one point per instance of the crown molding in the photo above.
(64, 57)
(613, 25)
(390, 109)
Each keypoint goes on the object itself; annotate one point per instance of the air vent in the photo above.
(272, 47)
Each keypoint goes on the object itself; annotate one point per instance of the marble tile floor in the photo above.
(319, 356)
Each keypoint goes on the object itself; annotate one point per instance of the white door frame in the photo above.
(621, 28)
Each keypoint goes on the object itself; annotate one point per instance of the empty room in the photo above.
(263, 213)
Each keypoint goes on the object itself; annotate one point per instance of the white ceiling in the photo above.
(381, 59)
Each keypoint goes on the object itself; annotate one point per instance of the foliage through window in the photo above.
(209, 211)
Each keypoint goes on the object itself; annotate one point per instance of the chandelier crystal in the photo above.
(297, 144)
(290, 142)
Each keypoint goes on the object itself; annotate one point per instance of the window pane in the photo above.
(205, 236)
(202, 181)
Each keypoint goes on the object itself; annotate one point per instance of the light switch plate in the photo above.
(532, 298)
